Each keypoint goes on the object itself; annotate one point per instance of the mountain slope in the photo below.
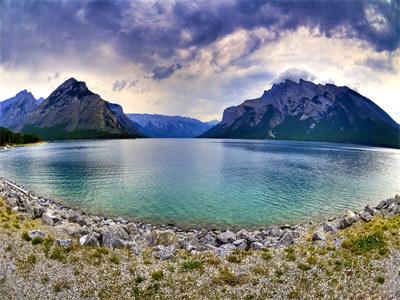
(155, 125)
(306, 111)
(13, 111)
(73, 111)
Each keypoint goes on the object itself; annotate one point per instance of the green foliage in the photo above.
(367, 243)
(37, 240)
(25, 236)
(11, 138)
(380, 279)
(190, 265)
(157, 275)
(226, 276)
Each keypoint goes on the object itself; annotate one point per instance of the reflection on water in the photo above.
(207, 182)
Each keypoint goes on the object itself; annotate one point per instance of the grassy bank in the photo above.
(360, 262)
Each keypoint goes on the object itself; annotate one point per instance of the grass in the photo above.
(157, 275)
(190, 265)
(226, 276)
(37, 240)
(25, 236)
(367, 243)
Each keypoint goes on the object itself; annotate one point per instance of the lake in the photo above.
(206, 182)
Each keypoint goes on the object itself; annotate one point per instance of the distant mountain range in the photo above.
(154, 125)
(288, 111)
(309, 112)
(72, 111)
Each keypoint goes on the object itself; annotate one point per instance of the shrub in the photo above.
(190, 265)
(37, 240)
(157, 275)
(26, 236)
(228, 277)
(365, 244)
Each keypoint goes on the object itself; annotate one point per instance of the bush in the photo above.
(37, 240)
(157, 275)
(190, 265)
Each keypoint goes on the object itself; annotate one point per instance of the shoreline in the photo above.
(117, 232)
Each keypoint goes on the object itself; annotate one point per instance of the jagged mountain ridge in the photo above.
(73, 111)
(156, 125)
(307, 111)
(13, 111)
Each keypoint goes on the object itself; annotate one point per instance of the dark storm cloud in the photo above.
(160, 73)
(151, 33)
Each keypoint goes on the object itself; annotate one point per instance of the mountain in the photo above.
(13, 111)
(72, 111)
(311, 112)
(170, 126)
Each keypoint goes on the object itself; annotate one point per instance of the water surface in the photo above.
(236, 183)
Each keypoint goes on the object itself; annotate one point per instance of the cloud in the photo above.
(294, 75)
(119, 85)
(154, 33)
(133, 83)
(380, 64)
(162, 72)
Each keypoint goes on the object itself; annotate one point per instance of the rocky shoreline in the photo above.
(166, 240)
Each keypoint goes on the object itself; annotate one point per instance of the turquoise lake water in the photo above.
(214, 183)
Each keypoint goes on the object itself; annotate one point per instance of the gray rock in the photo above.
(366, 216)
(164, 252)
(49, 219)
(256, 245)
(36, 233)
(381, 205)
(318, 236)
(121, 220)
(338, 242)
(89, 240)
(287, 239)
(240, 244)
(369, 210)
(64, 243)
(244, 234)
(275, 231)
(226, 237)
(163, 237)
(224, 250)
(346, 222)
(77, 218)
(329, 227)
(72, 229)
(209, 239)
(113, 237)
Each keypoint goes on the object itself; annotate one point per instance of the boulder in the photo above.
(318, 236)
(275, 231)
(164, 252)
(244, 234)
(64, 243)
(50, 219)
(256, 245)
(224, 250)
(113, 236)
(240, 244)
(369, 210)
(287, 239)
(366, 216)
(346, 222)
(36, 233)
(381, 205)
(163, 237)
(329, 227)
(89, 240)
(226, 237)
(209, 239)
(73, 229)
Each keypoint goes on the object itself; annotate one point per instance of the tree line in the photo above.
(8, 137)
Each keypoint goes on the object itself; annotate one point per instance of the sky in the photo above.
(195, 58)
